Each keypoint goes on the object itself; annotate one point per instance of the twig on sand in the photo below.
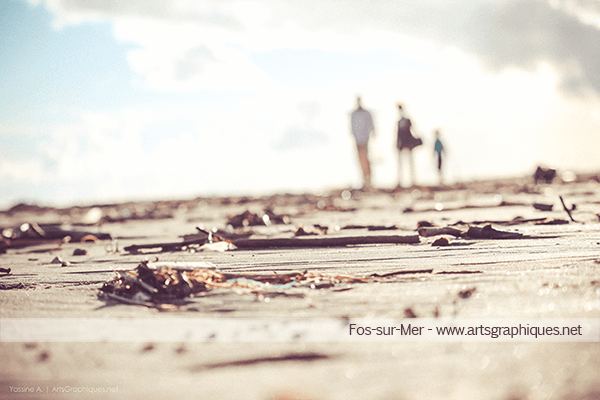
(566, 209)
(419, 271)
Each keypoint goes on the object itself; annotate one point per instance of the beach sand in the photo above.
(551, 272)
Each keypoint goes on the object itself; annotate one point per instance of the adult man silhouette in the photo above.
(362, 128)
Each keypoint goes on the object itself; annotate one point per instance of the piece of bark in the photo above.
(324, 242)
(543, 207)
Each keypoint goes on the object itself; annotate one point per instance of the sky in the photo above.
(107, 101)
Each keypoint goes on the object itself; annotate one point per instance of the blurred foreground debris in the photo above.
(31, 234)
(304, 356)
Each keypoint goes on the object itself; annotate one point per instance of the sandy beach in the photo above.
(539, 259)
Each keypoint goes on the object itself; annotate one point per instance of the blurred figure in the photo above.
(362, 128)
(406, 141)
(438, 148)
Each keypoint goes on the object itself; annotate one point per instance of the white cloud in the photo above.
(195, 45)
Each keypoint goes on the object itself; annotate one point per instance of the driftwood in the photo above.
(488, 232)
(324, 242)
(434, 231)
(283, 242)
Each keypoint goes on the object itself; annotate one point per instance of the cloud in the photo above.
(191, 44)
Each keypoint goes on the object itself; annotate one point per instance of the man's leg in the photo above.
(399, 169)
(440, 167)
(363, 158)
(412, 168)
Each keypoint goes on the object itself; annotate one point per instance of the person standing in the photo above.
(406, 141)
(362, 128)
(438, 148)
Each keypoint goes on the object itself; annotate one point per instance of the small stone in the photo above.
(441, 242)
(80, 252)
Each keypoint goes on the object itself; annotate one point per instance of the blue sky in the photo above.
(111, 101)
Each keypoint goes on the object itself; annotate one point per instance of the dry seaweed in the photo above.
(164, 283)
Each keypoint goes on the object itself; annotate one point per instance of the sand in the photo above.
(552, 272)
